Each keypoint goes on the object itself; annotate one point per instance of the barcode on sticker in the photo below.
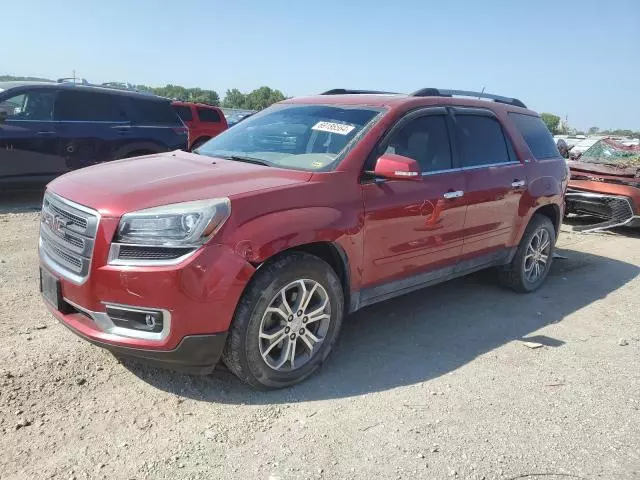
(331, 127)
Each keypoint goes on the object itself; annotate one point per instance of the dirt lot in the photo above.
(437, 384)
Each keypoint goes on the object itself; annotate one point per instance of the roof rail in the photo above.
(437, 92)
(119, 85)
(74, 80)
(346, 91)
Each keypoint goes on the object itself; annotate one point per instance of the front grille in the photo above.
(67, 236)
(132, 252)
(613, 210)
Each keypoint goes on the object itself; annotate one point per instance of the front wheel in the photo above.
(286, 323)
(531, 264)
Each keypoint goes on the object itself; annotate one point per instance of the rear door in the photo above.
(92, 127)
(413, 229)
(156, 123)
(29, 148)
(495, 183)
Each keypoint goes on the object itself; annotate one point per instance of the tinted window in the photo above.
(183, 112)
(426, 140)
(153, 112)
(481, 141)
(208, 115)
(87, 106)
(31, 105)
(536, 134)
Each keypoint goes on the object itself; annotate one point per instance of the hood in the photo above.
(122, 186)
(577, 166)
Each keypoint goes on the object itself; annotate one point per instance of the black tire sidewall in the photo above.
(262, 293)
(539, 222)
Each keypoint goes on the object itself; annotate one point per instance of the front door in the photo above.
(495, 183)
(413, 229)
(29, 146)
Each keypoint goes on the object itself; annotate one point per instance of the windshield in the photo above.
(303, 137)
(609, 152)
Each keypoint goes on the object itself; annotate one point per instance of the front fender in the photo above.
(265, 236)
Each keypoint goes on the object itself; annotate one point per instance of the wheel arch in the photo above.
(332, 253)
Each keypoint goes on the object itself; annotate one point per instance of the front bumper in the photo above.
(198, 298)
(613, 210)
(195, 354)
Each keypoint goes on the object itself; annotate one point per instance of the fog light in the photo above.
(144, 320)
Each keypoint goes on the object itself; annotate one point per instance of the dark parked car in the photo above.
(47, 129)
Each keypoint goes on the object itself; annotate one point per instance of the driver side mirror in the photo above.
(396, 167)
(3, 116)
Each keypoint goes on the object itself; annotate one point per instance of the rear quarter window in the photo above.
(153, 112)
(536, 135)
(208, 115)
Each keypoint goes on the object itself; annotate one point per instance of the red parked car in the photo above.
(203, 121)
(254, 249)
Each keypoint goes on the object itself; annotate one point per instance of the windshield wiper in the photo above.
(242, 158)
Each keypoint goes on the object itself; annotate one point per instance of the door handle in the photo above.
(517, 183)
(46, 133)
(451, 194)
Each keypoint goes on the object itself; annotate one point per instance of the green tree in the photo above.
(263, 97)
(551, 121)
(234, 98)
(593, 131)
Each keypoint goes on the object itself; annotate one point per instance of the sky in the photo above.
(577, 59)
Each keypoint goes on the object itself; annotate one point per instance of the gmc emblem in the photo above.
(56, 223)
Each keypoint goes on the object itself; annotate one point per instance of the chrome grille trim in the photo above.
(67, 237)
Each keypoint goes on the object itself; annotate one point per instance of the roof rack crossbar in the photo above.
(346, 91)
(436, 92)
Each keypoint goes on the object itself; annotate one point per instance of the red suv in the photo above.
(203, 121)
(254, 249)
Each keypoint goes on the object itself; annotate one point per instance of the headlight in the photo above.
(187, 224)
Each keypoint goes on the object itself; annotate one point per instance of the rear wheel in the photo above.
(531, 264)
(286, 323)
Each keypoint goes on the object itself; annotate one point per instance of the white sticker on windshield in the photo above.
(331, 127)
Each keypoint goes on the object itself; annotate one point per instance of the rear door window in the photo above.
(154, 112)
(208, 115)
(78, 106)
(481, 141)
(426, 140)
(184, 112)
(536, 135)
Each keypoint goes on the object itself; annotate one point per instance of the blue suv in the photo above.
(47, 129)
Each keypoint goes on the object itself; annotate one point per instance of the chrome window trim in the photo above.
(474, 167)
(114, 252)
(104, 323)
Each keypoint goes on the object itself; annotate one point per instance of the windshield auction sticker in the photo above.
(331, 127)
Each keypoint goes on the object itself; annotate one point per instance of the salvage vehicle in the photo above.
(49, 128)
(255, 248)
(605, 184)
(203, 121)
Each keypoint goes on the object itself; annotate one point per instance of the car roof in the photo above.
(199, 104)
(404, 101)
(73, 86)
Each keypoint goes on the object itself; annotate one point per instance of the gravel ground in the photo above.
(437, 384)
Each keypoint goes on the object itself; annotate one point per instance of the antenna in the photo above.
(480, 96)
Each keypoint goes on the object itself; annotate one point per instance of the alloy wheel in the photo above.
(294, 325)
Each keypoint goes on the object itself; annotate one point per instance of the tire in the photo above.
(517, 275)
(198, 143)
(253, 357)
